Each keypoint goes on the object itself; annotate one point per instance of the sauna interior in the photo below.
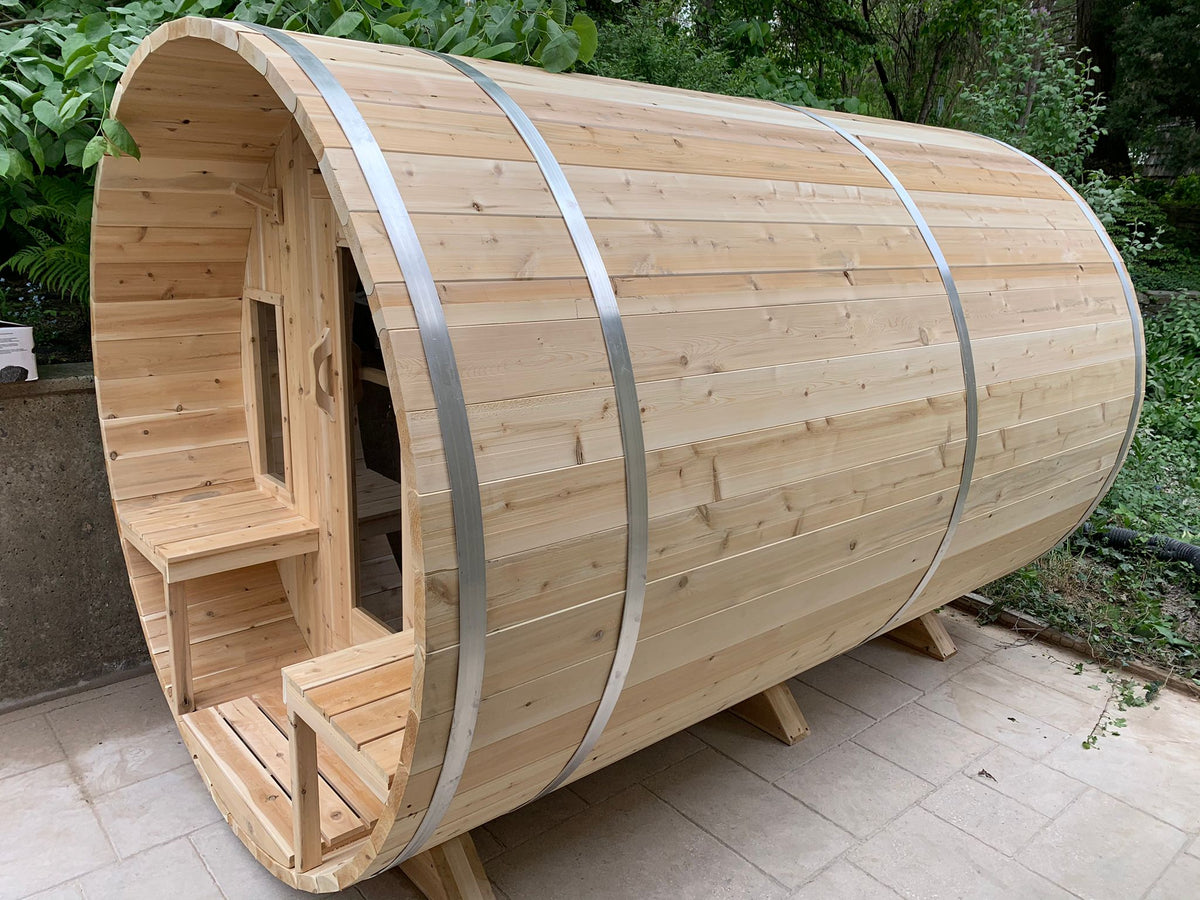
(829, 451)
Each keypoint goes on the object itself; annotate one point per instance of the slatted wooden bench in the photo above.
(192, 539)
(356, 702)
(244, 744)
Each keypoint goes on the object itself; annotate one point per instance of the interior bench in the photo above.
(356, 701)
(194, 538)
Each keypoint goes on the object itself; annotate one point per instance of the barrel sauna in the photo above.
(471, 427)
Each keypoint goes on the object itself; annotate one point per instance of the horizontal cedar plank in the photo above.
(505, 362)
(163, 245)
(140, 435)
(177, 470)
(168, 317)
(162, 206)
(148, 396)
(158, 356)
(526, 586)
(194, 279)
(173, 174)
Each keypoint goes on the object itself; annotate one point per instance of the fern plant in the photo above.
(56, 223)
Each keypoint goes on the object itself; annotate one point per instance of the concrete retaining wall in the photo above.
(66, 615)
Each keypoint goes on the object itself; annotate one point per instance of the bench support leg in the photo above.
(450, 871)
(925, 634)
(775, 712)
(306, 802)
(179, 646)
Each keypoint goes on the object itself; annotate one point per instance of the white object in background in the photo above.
(16, 353)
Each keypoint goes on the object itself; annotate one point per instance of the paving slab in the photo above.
(630, 845)
(927, 744)
(989, 717)
(831, 722)
(1038, 786)
(913, 668)
(119, 738)
(763, 824)
(997, 820)
(637, 767)
(136, 817)
(48, 832)
(26, 744)
(860, 686)
(171, 870)
(537, 817)
(1182, 879)
(921, 856)
(855, 788)
(1104, 849)
(842, 880)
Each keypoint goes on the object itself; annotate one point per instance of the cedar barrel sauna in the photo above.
(471, 427)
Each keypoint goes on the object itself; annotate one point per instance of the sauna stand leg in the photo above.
(925, 634)
(775, 712)
(450, 871)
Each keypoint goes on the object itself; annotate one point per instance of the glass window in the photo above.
(270, 388)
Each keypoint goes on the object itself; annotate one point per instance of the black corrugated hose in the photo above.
(1160, 545)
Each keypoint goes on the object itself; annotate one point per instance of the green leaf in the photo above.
(19, 90)
(78, 66)
(36, 153)
(345, 24)
(93, 151)
(463, 48)
(74, 152)
(68, 111)
(560, 51)
(495, 50)
(74, 45)
(589, 39)
(47, 113)
(121, 138)
(6, 160)
(558, 11)
(95, 27)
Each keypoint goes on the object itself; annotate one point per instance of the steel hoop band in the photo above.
(627, 405)
(452, 420)
(964, 348)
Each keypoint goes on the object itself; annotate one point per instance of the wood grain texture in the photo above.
(797, 369)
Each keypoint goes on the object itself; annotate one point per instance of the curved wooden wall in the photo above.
(799, 376)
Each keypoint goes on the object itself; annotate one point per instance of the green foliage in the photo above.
(1158, 489)
(1032, 92)
(60, 60)
(658, 45)
(52, 217)
(1126, 605)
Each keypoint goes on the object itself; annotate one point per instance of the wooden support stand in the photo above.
(450, 871)
(775, 712)
(926, 634)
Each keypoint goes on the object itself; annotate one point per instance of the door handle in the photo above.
(322, 355)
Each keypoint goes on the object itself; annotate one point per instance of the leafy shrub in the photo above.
(53, 216)
(60, 60)
(657, 44)
(1033, 92)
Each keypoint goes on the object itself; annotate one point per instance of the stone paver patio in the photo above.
(920, 779)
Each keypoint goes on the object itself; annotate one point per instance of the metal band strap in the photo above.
(452, 419)
(1139, 344)
(964, 349)
(628, 407)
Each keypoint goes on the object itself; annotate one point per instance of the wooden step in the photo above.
(357, 702)
(246, 750)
